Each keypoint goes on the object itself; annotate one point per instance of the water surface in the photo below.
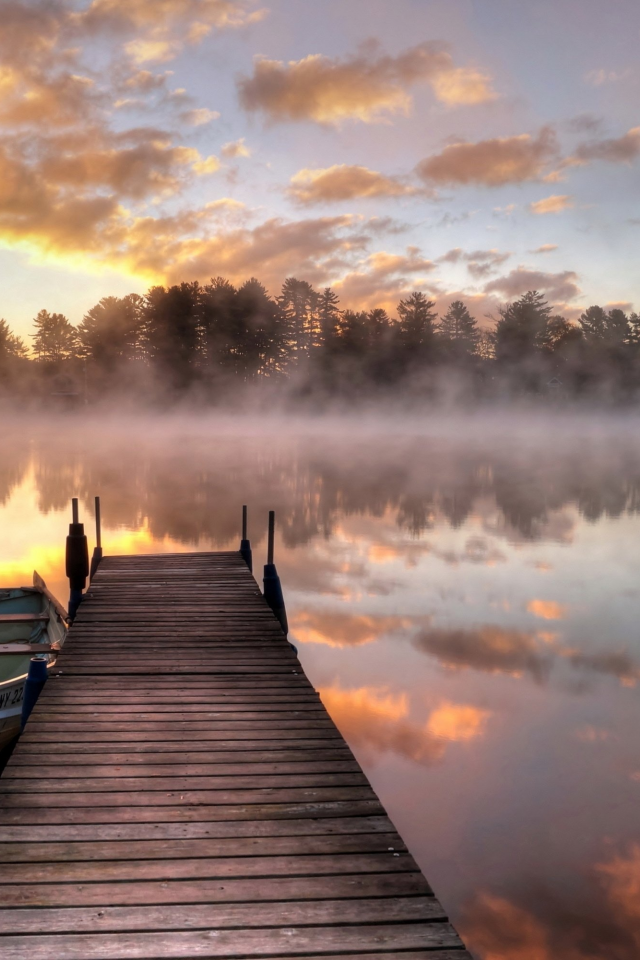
(464, 593)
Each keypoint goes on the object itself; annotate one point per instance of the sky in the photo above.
(470, 149)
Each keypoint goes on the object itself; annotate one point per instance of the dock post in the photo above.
(245, 544)
(272, 586)
(97, 551)
(77, 560)
(36, 679)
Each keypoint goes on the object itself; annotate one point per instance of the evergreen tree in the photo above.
(259, 316)
(379, 327)
(112, 332)
(521, 328)
(328, 314)
(560, 336)
(594, 324)
(354, 334)
(55, 338)
(298, 302)
(416, 327)
(173, 332)
(459, 331)
(11, 347)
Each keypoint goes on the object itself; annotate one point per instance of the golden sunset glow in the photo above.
(197, 99)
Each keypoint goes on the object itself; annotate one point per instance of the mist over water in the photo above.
(463, 590)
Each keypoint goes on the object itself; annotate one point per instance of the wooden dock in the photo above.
(180, 791)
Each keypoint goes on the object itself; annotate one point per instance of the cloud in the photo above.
(490, 649)
(479, 262)
(622, 878)
(344, 182)
(235, 149)
(376, 722)
(546, 248)
(183, 247)
(597, 78)
(558, 286)
(451, 721)
(547, 609)
(500, 930)
(617, 664)
(368, 87)
(163, 27)
(199, 116)
(554, 204)
(381, 279)
(623, 149)
(342, 630)
(151, 166)
(491, 163)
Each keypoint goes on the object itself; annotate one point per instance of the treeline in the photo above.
(206, 339)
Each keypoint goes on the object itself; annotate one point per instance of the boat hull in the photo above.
(45, 624)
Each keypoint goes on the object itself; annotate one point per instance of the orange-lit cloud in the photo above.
(382, 279)
(200, 116)
(554, 204)
(546, 248)
(342, 630)
(547, 609)
(368, 87)
(451, 721)
(489, 649)
(164, 26)
(621, 876)
(500, 930)
(623, 149)
(377, 721)
(491, 163)
(343, 182)
(558, 286)
(235, 149)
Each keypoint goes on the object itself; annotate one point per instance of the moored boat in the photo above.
(30, 617)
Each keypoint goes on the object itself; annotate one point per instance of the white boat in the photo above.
(30, 617)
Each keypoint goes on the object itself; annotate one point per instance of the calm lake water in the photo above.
(464, 592)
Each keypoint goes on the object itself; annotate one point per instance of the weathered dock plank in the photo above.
(180, 791)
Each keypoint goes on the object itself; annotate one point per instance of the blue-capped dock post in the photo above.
(272, 586)
(245, 544)
(97, 550)
(36, 679)
(77, 560)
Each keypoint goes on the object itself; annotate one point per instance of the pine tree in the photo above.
(521, 328)
(416, 327)
(112, 332)
(55, 338)
(11, 346)
(594, 323)
(458, 330)
(173, 331)
(328, 314)
(260, 319)
(298, 303)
